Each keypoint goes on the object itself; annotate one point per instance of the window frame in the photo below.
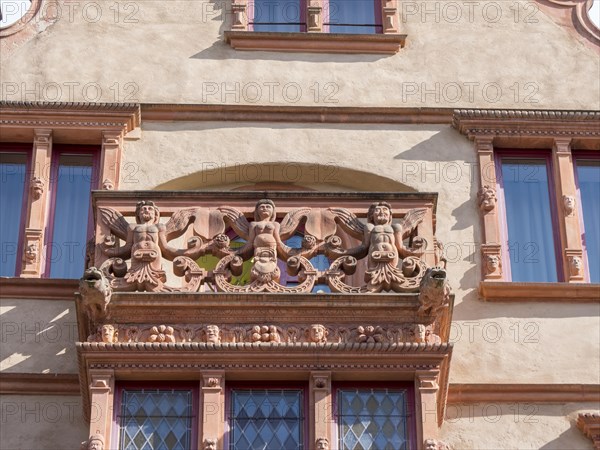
(583, 155)
(378, 17)
(302, 9)
(121, 386)
(26, 149)
(542, 155)
(59, 150)
(408, 386)
(301, 385)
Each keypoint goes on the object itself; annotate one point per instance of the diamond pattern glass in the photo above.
(156, 419)
(372, 419)
(266, 419)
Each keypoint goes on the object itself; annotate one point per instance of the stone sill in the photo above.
(387, 44)
(38, 288)
(502, 291)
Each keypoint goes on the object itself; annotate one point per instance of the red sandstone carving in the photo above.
(162, 333)
(487, 198)
(95, 442)
(210, 444)
(434, 444)
(589, 424)
(318, 333)
(37, 188)
(435, 292)
(96, 293)
(568, 204)
(322, 444)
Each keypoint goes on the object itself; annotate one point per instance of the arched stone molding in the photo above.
(574, 13)
(293, 175)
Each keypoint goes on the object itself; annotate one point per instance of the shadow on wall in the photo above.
(38, 336)
(280, 176)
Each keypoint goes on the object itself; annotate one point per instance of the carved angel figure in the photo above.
(146, 244)
(383, 244)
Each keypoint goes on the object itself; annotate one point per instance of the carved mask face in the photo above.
(322, 444)
(265, 211)
(265, 260)
(212, 334)
(108, 333)
(493, 263)
(95, 444)
(147, 214)
(317, 333)
(210, 444)
(569, 204)
(430, 444)
(487, 199)
(381, 215)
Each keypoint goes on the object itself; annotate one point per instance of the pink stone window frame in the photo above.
(542, 155)
(153, 385)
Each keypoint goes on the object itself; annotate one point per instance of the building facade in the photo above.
(300, 225)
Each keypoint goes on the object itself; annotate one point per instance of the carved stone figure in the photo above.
(487, 198)
(146, 244)
(210, 444)
(435, 292)
(162, 333)
(493, 263)
(96, 292)
(108, 334)
(213, 334)
(95, 442)
(108, 185)
(575, 266)
(322, 444)
(31, 253)
(568, 204)
(36, 188)
(434, 444)
(318, 333)
(369, 334)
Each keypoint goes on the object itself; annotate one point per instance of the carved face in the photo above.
(213, 334)
(322, 444)
(95, 444)
(493, 263)
(37, 187)
(380, 213)
(265, 260)
(487, 198)
(430, 444)
(108, 185)
(31, 252)
(569, 204)
(210, 444)
(317, 333)
(576, 265)
(264, 210)
(146, 212)
(108, 333)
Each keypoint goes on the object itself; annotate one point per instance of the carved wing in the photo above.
(290, 222)
(236, 219)
(115, 221)
(179, 221)
(412, 218)
(349, 222)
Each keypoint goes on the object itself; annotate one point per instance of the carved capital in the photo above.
(321, 380)
(101, 381)
(42, 136)
(562, 146)
(484, 143)
(428, 380)
(314, 16)
(239, 16)
(212, 381)
(111, 138)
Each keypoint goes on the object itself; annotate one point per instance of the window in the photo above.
(68, 179)
(266, 419)
(529, 227)
(71, 182)
(151, 418)
(275, 15)
(13, 170)
(353, 16)
(588, 181)
(374, 418)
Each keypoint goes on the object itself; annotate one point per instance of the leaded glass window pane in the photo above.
(372, 419)
(266, 419)
(156, 419)
(588, 176)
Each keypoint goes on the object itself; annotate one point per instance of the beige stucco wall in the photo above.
(38, 336)
(523, 426)
(467, 54)
(41, 422)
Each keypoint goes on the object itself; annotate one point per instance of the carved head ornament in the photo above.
(380, 213)
(210, 444)
(322, 443)
(37, 188)
(146, 212)
(264, 210)
(487, 198)
(568, 204)
(95, 442)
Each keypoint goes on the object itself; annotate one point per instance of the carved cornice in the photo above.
(38, 288)
(589, 424)
(502, 291)
(530, 124)
(122, 117)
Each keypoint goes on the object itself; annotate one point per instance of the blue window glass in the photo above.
(319, 262)
(71, 213)
(152, 419)
(266, 419)
(277, 15)
(13, 168)
(374, 419)
(353, 16)
(588, 177)
(529, 220)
